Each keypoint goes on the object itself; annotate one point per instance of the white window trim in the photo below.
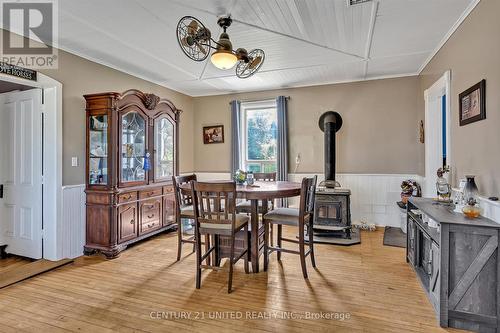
(245, 106)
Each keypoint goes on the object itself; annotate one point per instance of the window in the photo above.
(259, 136)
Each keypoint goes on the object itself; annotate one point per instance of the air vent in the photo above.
(356, 2)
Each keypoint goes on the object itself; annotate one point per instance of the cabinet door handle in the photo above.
(151, 216)
(431, 266)
(128, 197)
(132, 221)
(150, 194)
(150, 226)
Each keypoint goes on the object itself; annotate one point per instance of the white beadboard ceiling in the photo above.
(307, 42)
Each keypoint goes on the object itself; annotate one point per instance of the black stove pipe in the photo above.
(330, 122)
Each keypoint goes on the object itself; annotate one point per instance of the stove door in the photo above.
(330, 210)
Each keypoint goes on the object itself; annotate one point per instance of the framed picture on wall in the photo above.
(213, 134)
(472, 104)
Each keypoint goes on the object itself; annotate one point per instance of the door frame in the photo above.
(441, 87)
(52, 161)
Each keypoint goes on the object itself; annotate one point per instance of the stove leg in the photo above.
(3, 254)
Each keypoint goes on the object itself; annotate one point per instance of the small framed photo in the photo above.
(213, 134)
(472, 103)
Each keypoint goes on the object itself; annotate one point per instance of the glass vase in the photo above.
(470, 190)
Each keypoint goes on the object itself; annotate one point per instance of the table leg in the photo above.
(264, 207)
(254, 220)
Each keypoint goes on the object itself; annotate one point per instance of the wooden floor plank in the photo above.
(143, 289)
(15, 273)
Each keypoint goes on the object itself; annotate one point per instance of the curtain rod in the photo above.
(259, 100)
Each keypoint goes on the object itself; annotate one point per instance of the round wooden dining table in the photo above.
(261, 191)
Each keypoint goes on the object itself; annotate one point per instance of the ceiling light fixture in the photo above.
(196, 42)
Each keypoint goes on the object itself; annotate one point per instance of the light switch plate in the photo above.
(74, 161)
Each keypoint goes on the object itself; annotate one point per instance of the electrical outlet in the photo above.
(74, 161)
(297, 163)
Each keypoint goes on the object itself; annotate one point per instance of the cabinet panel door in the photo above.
(434, 287)
(164, 148)
(411, 241)
(98, 150)
(133, 148)
(127, 222)
(169, 209)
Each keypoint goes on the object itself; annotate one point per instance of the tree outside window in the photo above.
(261, 137)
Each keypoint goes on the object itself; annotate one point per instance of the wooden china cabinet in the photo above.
(132, 154)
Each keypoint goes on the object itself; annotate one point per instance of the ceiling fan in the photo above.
(196, 42)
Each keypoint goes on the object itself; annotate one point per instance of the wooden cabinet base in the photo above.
(457, 264)
(113, 252)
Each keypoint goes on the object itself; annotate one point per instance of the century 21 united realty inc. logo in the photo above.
(36, 20)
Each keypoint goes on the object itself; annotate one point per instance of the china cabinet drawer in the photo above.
(127, 222)
(151, 211)
(127, 197)
(149, 226)
(168, 189)
(154, 192)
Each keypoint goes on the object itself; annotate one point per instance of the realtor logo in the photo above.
(36, 20)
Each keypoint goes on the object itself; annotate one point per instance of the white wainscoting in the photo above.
(73, 226)
(373, 197)
(489, 209)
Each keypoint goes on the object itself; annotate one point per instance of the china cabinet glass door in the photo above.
(164, 149)
(98, 150)
(133, 147)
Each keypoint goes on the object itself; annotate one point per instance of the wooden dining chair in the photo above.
(215, 215)
(184, 210)
(301, 217)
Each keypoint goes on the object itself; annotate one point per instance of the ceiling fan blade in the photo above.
(192, 27)
(202, 50)
(255, 62)
(184, 42)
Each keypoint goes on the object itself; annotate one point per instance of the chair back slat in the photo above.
(214, 202)
(265, 176)
(307, 193)
(183, 198)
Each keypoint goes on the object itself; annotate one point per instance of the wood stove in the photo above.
(332, 204)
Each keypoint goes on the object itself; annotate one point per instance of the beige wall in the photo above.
(473, 54)
(79, 77)
(380, 132)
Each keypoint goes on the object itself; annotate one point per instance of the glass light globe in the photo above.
(224, 59)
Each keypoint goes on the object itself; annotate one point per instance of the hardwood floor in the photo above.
(144, 289)
(23, 269)
(12, 262)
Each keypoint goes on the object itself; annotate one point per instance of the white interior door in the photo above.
(21, 173)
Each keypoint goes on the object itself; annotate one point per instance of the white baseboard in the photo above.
(373, 196)
(73, 226)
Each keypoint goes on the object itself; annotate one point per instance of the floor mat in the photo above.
(394, 237)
